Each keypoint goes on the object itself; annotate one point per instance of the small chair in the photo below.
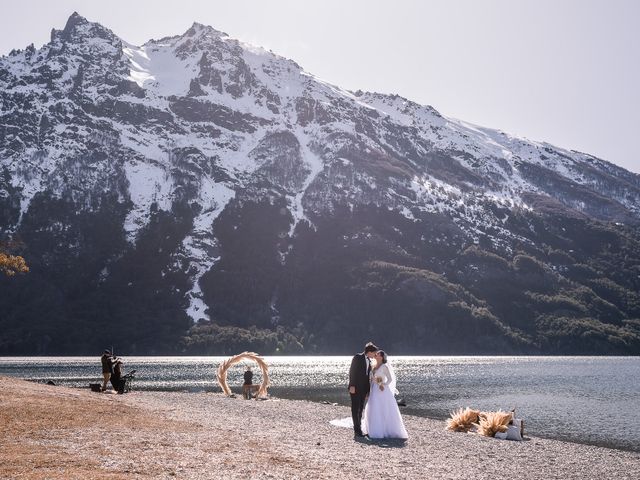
(247, 390)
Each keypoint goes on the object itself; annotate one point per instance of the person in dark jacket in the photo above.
(248, 383)
(116, 376)
(107, 368)
(359, 384)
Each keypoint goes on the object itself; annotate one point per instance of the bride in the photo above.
(382, 417)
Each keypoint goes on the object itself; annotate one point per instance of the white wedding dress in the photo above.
(381, 418)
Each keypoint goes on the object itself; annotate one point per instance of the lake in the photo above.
(582, 399)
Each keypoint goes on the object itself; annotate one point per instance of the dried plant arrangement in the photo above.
(463, 420)
(493, 422)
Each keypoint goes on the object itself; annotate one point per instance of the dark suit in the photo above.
(359, 378)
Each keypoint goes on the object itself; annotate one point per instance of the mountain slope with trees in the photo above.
(199, 195)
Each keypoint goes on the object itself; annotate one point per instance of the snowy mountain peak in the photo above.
(225, 98)
(201, 29)
(78, 30)
(75, 22)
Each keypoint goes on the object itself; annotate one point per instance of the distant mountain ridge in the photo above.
(198, 194)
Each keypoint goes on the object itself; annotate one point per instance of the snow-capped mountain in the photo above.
(222, 184)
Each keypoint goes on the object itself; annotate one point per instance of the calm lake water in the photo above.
(591, 400)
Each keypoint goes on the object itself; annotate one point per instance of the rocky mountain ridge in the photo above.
(214, 190)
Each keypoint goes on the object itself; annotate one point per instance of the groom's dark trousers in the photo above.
(359, 379)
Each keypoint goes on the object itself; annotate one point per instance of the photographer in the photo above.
(107, 368)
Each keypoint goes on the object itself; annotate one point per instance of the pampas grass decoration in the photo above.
(224, 366)
(493, 422)
(463, 420)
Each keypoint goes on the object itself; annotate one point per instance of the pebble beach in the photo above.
(53, 432)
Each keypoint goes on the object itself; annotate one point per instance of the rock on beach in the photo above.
(52, 432)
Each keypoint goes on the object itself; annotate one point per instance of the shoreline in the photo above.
(405, 412)
(59, 432)
(417, 413)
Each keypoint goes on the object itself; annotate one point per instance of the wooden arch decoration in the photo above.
(224, 366)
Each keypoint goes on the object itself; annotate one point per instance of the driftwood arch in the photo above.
(224, 366)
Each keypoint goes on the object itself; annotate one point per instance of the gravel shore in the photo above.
(50, 432)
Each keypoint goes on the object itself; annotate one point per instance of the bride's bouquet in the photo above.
(378, 381)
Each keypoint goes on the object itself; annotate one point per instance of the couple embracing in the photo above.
(372, 386)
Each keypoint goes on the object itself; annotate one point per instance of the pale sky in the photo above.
(562, 71)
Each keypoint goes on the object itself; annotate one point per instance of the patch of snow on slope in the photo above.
(29, 173)
(148, 184)
(30, 186)
(140, 65)
(236, 159)
(316, 165)
(156, 68)
(392, 108)
(199, 246)
(146, 144)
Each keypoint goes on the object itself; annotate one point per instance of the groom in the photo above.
(359, 384)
